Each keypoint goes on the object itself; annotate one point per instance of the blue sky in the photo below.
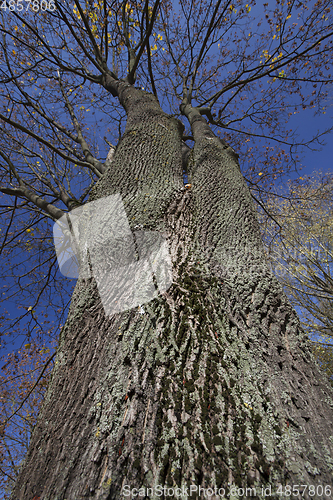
(306, 124)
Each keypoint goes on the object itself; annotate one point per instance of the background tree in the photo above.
(20, 400)
(299, 238)
(130, 395)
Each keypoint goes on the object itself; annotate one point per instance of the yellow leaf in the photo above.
(261, 173)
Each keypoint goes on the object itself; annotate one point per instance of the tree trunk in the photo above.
(214, 385)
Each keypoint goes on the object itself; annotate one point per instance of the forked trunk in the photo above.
(210, 385)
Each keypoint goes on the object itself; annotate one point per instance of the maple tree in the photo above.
(210, 73)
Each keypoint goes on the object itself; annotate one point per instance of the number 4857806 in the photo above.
(24, 5)
(301, 489)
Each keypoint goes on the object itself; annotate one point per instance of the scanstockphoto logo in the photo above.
(130, 268)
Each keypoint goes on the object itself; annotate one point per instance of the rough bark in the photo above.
(215, 384)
